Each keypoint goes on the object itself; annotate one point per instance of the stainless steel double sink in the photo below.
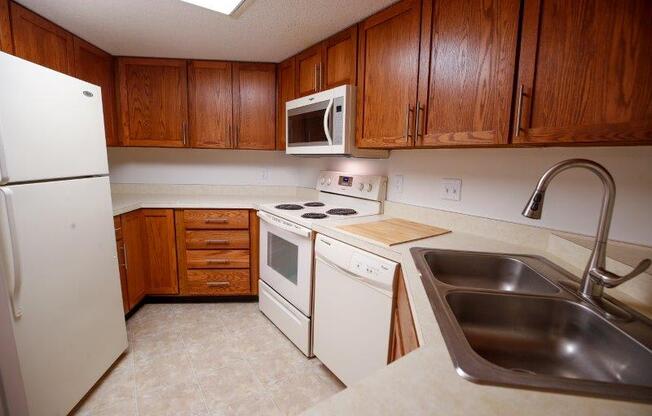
(512, 320)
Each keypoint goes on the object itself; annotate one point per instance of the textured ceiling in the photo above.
(261, 30)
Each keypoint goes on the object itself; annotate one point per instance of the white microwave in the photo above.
(324, 124)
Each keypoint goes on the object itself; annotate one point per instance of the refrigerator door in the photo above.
(60, 271)
(51, 124)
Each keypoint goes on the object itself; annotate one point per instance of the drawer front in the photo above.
(117, 226)
(210, 219)
(217, 259)
(217, 282)
(217, 239)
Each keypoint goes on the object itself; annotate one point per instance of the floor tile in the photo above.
(172, 400)
(231, 384)
(162, 371)
(253, 404)
(301, 391)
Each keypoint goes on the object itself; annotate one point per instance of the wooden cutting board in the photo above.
(393, 231)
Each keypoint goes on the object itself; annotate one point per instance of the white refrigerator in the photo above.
(61, 319)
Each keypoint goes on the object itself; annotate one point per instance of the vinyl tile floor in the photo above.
(208, 359)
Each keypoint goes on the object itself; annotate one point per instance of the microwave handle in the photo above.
(327, 114)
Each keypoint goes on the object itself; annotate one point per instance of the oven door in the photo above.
(286, 260)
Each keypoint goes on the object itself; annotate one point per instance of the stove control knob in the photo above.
(361, 186)
(328, 181)
(322, 180)
(369, 187)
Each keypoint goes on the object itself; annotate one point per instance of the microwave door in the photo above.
(305, 125)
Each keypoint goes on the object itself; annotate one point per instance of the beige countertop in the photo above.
(425, 381)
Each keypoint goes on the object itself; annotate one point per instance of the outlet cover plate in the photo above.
(451, 189)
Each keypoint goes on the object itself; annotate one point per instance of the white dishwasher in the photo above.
(353, 309)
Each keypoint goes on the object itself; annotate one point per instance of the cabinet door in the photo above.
(123, 275)
(153, 102)
(340, 58)
(160, 248)
(388, 63)
(254, 101)
(41, 41)
(403, 338)
(96, 66)
(585, 72)
(468, 57)
(210, 104)
(6, 43)
(308, 71)
(133, 232)
(285, 93)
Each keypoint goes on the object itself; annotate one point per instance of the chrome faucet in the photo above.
(595, 277)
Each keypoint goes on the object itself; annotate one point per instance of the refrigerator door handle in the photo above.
(10, 251)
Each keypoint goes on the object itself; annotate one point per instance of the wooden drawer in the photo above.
(117, 225)
(217, 259)
(217, 239)
(208, 219)
(217, 282)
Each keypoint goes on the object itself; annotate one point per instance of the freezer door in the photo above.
(51, 124)
(61, 276)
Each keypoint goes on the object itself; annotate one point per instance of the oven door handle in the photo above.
(327, 129)
(283, 225)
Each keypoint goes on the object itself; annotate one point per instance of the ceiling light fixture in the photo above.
(220, 6)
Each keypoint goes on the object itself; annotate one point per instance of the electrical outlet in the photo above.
(451, 188)
(264, 175)
(397, 184)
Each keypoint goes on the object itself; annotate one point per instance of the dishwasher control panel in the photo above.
(370, 268)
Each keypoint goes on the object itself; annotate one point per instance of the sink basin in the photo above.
(553, 337)
(486, 271)
(511, 320)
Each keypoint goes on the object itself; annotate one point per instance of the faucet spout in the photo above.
(595, 276)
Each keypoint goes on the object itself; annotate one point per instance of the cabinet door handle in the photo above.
(416, 123)
(316, 75)
(321, 78)
(519, 110)
(184, 132)
(218, 261)
(216, 221)
(229, 137)
(217, 241)
(124, 250)
(219, 284)
(407, 121)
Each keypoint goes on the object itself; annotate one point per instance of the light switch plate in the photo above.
(451, 189)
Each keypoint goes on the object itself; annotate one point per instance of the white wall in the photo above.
(495, 182)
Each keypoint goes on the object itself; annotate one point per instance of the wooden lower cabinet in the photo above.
(403, 336)
(120, 247)
(133, 230)
(160, 249)
(215, 251)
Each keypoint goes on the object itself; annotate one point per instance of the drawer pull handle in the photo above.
(217, 241)
(218, 261)
(218, 284)
(217, 221)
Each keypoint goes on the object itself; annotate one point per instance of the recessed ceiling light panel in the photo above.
(220, 6)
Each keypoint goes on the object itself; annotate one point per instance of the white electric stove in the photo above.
(287, 246)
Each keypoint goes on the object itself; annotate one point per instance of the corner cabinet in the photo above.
(585, 73)
(96, 66)
(160, 252)
(133, 230)
(40, 41)
(153, 102)
(254, 106)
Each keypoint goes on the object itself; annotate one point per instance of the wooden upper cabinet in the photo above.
(285, 81)
(388, 66)
(210, 99)
(468, 59)
(96, 66)
(339, 56)
(133, 232)
(153, 102)
(254, 105)
(41, 41)
(308, 71)
(160, 247)
(586, 72)
(6, 43)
